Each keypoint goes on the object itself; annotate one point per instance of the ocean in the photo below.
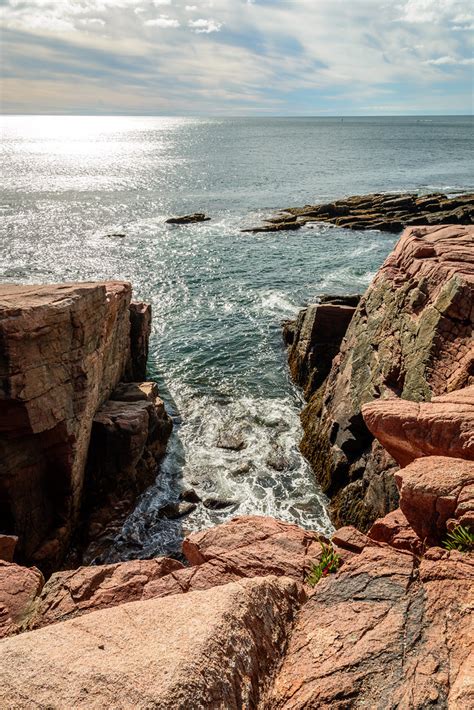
(218, 296)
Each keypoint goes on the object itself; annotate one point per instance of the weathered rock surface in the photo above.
(86, 589)
(385, 212)
(316, 338)
(408, 430)
(213, 649)
(63, 350)
(411, 337)
(382, 633)
(19, 586)
(140, 330)
(395, 530)
(255, 546)
(434, 490)
(188, 218)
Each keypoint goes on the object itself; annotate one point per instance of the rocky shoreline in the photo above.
(389, 431)
(387, 212)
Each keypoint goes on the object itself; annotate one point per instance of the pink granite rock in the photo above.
(408, 430)
(19, 587)
(433, 490)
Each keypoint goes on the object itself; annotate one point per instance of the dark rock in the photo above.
(140, 330)
(7, 547)
(190, 496)
(173, 511)
(218, 503)
(277, 227)
(188, 218)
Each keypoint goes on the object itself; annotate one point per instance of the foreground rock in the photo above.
(384, 212)
(382, 633)
(250, 546)
(19, 587)
(188, 218)
(205, 649)
(410, 337)
(75, 592)
(435, 490)
(63, 350)
(408, 430)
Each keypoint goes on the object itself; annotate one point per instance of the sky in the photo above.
(237, 57)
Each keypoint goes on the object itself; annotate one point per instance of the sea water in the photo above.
(218, 295)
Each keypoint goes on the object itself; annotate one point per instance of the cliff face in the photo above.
(410, 336)
(63, 350)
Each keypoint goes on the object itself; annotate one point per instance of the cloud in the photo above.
(232, 56)
(163, 21)
(447, 60)
(204, 26)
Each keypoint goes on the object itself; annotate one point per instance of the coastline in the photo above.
(397, 562)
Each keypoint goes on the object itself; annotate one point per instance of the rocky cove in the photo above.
(389, 432)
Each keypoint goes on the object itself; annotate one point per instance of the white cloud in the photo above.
(447, 60)
(204, 26)
(163, 21)
(191, 8)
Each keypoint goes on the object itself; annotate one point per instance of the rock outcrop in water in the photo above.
(188, 219)
(381, 211)
(410, 337)
(63, 351)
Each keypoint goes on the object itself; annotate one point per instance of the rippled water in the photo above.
(218, 296)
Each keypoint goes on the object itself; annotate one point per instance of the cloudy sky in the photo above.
(235, 57)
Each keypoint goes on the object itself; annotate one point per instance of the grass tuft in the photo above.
(460, 538)
(328, 564)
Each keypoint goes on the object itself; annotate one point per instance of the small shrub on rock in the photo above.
(328, 564)
(459, 538)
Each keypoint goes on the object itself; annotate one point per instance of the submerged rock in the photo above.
(285, 226)
(173, 511)
(188, 218)
(218, 503)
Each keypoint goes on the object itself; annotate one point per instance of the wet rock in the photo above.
(19, 586)
(232, 439)
(218, 503)
(188, 218)
(433, 490)
(116, 234)
(377, 635)
(409, 430)
(242, 469)
(80, 591)
(285, 226)
(386, 212)
(190, 496)
(173, 511)
(192, 650)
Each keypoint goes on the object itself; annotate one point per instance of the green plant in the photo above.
(328, 564)
(459, 538)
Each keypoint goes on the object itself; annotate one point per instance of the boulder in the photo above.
(80, 591)
(410, 337)
(216, 648)
(409, 430)
(254, 545)
(395, 530)
(19, 586)
(433, 490)
(378, 635)
(8, 544)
